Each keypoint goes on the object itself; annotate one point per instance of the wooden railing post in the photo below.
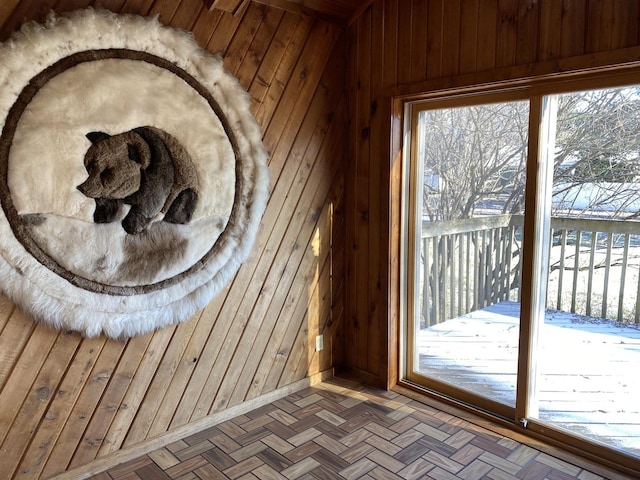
(472, 263)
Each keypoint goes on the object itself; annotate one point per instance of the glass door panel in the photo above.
(588, 351)
(467, 247)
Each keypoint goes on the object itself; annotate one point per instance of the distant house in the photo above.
(597, 197)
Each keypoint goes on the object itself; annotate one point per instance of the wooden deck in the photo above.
(588, 378)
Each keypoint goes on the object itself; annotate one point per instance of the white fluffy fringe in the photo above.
(44, 295)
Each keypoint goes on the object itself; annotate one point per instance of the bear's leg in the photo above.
(181, 210)
(135, 221)
(106, 210)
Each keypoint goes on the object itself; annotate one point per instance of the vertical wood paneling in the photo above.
(624, 32)
(451, 37)
(377, 210)
(65, 401)
(599, 26)
(353, 332)
(464, 40)
(468, 36)
(487, 28)
(418, 55)
(435, 34)
(527, 40)
(360, 216)
(325, 232)
(550, 38)
(507, 33)
(573, 27)
(404, 31)
(389, 31)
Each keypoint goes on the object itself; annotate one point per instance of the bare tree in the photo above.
(474, 161)
(474, 155)
(597, 156)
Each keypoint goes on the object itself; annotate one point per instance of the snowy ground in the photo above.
(586, 380)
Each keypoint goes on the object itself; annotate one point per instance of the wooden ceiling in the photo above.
(336, 11)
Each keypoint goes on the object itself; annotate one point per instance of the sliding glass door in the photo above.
(588, 352)
(469, 204)
(530, 313)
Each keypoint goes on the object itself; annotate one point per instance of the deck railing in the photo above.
(469, 264)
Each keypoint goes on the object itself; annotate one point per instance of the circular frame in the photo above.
(31, 277)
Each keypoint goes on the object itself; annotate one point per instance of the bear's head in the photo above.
(114, 164)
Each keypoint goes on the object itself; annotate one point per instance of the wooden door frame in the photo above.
(576, 79)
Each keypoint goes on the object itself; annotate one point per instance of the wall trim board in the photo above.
(105, 463)
(565, 69)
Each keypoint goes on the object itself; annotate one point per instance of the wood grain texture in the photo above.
(326, 257)
(232, 6)
(66, 401)
(334, 11)
(418, 46)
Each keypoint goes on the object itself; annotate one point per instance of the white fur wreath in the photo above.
(93, 76)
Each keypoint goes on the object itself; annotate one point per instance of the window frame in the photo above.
(404, 110)
(412, 194)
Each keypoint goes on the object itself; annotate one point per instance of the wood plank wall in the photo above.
(412, 46)
(65, 401)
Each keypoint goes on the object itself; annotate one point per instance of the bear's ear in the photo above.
(95, 137)
(134, 154)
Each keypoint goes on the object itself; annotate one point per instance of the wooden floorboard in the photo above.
(343, 430)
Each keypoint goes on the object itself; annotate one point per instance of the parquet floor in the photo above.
(342, 430)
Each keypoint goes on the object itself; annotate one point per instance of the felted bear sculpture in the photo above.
(146, 168)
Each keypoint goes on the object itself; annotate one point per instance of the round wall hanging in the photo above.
(132, 173)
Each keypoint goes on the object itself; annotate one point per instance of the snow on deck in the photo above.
(589, 369)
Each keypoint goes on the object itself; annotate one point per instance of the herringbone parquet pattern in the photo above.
(340, 430)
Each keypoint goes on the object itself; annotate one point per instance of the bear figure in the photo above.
(146, 168)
